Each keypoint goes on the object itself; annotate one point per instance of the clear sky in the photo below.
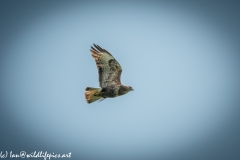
(181, 60)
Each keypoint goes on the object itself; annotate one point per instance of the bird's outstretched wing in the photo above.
(109, 70)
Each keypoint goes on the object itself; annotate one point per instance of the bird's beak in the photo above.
(132, 90)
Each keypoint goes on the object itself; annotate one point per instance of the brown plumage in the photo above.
(109, 73)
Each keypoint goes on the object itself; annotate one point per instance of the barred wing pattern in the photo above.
(109, 70)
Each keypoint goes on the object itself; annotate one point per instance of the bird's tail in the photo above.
(92, 94)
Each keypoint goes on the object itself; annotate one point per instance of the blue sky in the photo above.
(182, 65)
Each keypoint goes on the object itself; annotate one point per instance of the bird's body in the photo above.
(114, 91)
(109, 71)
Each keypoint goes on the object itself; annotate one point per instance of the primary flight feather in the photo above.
(109, 73)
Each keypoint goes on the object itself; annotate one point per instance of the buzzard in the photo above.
(109, 73)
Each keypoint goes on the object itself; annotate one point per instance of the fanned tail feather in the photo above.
(92, 94)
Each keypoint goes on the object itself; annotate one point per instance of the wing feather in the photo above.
(109, 70)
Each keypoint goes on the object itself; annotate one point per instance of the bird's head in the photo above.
(130, 88)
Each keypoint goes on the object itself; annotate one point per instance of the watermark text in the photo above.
(40, 154)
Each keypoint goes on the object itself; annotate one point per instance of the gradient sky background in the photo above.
(181, 58)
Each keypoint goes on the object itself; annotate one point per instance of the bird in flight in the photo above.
(109, 73)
